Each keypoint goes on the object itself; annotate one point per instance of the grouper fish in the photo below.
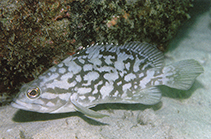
(106, 73)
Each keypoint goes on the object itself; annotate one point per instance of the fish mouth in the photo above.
(19, 105)
(24, 106)
(32, 107)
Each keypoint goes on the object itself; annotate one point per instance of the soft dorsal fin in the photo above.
(146, 50)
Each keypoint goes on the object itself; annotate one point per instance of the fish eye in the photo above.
(33, 93)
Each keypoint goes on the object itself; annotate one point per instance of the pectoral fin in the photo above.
(87, 111)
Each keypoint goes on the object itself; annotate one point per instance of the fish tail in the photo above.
(181, 75)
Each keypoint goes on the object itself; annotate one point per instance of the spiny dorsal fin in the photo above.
(148, 51)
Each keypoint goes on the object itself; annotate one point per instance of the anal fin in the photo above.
(148, 96)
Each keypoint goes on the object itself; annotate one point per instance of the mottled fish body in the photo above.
(106, 73)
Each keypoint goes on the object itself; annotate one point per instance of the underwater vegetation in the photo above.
(34, 35)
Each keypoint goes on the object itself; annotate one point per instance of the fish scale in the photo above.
(109, 76)
(106, 73)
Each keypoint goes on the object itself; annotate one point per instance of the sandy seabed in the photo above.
(179, 115)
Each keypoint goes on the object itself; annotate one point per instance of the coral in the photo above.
(35, 35)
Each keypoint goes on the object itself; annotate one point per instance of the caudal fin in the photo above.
(182, 74)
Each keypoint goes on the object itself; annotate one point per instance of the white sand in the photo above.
(174, 118)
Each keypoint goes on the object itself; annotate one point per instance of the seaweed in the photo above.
(119, 21)
(31, 41)
(35, 35)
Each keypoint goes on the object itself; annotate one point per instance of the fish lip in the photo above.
(20, 105)
(17, 105)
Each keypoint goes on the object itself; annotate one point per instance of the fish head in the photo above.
(34, 97)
